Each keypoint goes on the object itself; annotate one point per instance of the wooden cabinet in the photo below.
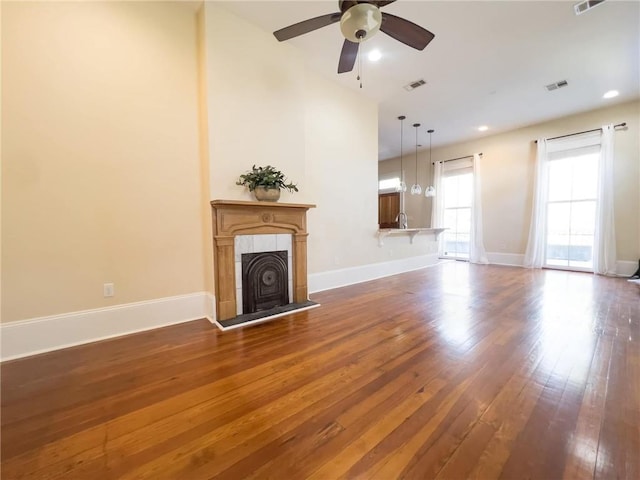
(388, 209)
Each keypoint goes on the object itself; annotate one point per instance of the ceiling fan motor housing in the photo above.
(360, 22)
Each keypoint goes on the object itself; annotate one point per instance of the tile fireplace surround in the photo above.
(234, 217)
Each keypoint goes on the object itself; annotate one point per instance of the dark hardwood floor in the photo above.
(451, 372)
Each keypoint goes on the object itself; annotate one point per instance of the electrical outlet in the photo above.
(108, 290)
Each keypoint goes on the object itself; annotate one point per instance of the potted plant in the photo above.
(266, 183)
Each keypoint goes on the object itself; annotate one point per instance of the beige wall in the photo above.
(508, 161)
(122, 120)
(114, 141)
(205, 168)
(101, 179)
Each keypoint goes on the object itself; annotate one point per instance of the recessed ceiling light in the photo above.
(611, 94)
(375, 55)
(483, 128)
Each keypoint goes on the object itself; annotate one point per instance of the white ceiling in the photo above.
(488, 64)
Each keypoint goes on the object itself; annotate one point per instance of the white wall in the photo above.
(256, 110)
(266, 106)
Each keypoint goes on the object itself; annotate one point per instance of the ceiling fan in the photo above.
(359, 21)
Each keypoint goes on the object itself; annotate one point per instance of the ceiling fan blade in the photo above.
(348, 56)
(405, 31)
(382, 3)
(347, 4)
(307, 26)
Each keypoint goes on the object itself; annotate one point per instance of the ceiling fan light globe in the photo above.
(360, 22)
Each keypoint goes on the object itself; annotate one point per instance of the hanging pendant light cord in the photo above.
(430, 132)
(401, 166)
(401, 118)
(416, 189)
(416, 125)
(430, 191)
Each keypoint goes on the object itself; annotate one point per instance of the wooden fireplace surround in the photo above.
(235, 217)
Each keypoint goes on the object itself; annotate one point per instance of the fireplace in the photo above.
(264, 281)
(278, 226)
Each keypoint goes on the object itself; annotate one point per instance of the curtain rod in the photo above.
(623, 124)
(452, 159)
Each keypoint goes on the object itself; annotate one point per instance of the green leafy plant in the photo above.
(267, 177)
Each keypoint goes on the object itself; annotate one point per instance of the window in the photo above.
(571, 211)
(389, 183)
(456, 208)
(458, 195)
(572, 222)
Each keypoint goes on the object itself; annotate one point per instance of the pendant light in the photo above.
(430, 191)
(416, 189)
(402, 187)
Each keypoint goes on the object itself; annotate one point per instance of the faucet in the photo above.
(401, 218)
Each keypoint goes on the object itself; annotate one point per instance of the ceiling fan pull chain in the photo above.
(360, 66)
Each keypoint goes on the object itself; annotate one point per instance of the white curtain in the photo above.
(437, 205)
(604, 247)
(534, 255)
(477, 253)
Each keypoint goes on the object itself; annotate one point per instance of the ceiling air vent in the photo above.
(557, 85)
(416, 84)
(582, 7)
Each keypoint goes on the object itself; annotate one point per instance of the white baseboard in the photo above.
(625, 268)
(348, 276)
(509, 259)
(44, 334)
